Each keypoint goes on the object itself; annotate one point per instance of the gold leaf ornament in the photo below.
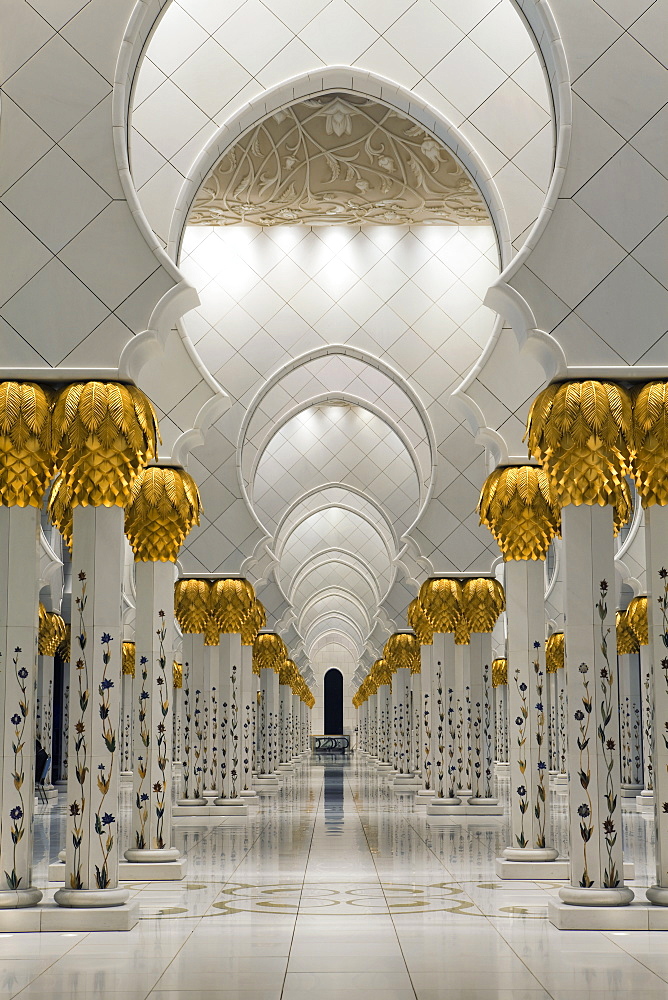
(59, 509)
(627, 640)
(650, 433)
(52, 631)
(251, 625)
(192, 611)
(231, 602)
(382, 672)
(518, 506)
(128, 658)
(27, 452)
(483, 600)
(554, 652)
(106, 432)
(419, 622)
(402, 651)
(165, 505)
(177, 675)
(582, 433)
(442, 601)
(499, 671)
(636, 616)
(269, 652)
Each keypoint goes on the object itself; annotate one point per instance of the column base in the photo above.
(560, 781)
(135, 871)
(126, 777)
(423, 796)
(533, 871)
(50, 917)
(405, 780)
(645, 802)
(231, 807)
(91, 898)
(287, 766)
(210, 794)
(485, 808)
(249, 795)
(530, 854)
(575, 896)
(630, 791)
(657, 895)
(191, 802)
(266, 784)
(383, 765)
(502, 767)
(636, 916)
(440, 807)
(17, 899)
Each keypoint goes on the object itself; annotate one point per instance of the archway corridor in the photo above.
(338, 889)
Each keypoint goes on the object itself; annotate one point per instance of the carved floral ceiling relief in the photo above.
(338, 159)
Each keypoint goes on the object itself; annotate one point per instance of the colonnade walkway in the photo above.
(336, 888)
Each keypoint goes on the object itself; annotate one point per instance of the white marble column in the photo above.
(127, 706)
(482, 731)
(462, 699)
(401, 686)
(45, 689)
(656, 542)
(268, 709)
(444, 733)
(19, 600)
(385, 728)
(248, 703)
(284, 724)
(628, 671)
(646, 798)
(597, 876)
(151, 839)
(230, 735)
(194, 653)
(425, 748)
(91, 877)
(527, 718)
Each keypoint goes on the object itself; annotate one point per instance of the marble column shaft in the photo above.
(95, 712)
(194, 652)
(656, 543)
(527, 713)
(597, 872)
(230, 715)
(482, 718)
(153, 705)
(19, 601)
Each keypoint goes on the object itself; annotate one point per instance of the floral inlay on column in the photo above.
(19, 720)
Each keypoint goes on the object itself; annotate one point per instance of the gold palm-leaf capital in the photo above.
(254, 621)
(650, 433)
(402, 651)
(483, 601)
(627, 640)
(128, 656)
(231, 602)
(636, 616)
(418, 621)
(554, 652)
(517, 504)
(164, 507)
(107, 432)
(52, 631)
(177, 675)
(499, 671)
(441, 599)
(59, 509)
(27, 452)
(582, 433)
(191, 605)
(269, 652)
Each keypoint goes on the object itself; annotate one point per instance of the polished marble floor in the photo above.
(337, 889)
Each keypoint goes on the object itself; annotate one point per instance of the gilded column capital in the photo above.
(128, 658)
(554, 652)
(269, 652)
(650, 439)
(254, 621)
(106, 433)
(441, 599)
(165, 505)
(581, 432)
(27, 453)
(231, 603)
(177, 675)
(381, 672)
(420, 623)
(636, 616)
(402, 651)
(52, 632)
(64, 649)
(192, 610)
(499, 672)
(483, 600)
(59, 509)
(517, 504)
(627, 640)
